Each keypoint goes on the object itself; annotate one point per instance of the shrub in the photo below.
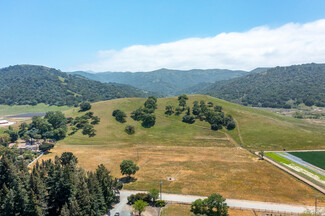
(139, 196)
(45, 146)
(189, 119)
(160, 203)
(119, 116)
(148, 120)
(129, 129)
(214, 127)
(84, 106)
(231, 125)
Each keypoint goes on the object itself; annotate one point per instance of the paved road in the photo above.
(231, 202)
(35, 159)
(120, 207)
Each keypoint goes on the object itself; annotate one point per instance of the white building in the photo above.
(3, 122)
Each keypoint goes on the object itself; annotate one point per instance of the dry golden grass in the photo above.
(184, 210)
(232, 172)
(201, 161)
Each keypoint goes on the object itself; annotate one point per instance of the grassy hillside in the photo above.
(202, 161)
(277, 87)
(32, 84)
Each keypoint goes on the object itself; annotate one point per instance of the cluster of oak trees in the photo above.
(56, 187)
(53, 126)
(144, 114)
(202, 111)
(85, 122)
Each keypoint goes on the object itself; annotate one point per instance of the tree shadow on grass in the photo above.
(126, 180)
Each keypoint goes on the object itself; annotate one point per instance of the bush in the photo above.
(231, 125)
(84, 106)
(139, 196)
(214, 127)
(148, 120)
(160, 203)
(218, 108)
(137, 114)
(119, 116)
(129, 129)
(189, 119)
(45, 146)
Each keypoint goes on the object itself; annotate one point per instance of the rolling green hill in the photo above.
(165, 81)
(256, 129)
(193, 154)
(277, 87)
(31, 84)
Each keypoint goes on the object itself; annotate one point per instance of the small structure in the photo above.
(3, 122)
(31, 141)
(6, 123)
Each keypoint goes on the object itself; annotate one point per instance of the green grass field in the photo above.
(288, 163)
(316, 158)
(20, 109)
(202, 161)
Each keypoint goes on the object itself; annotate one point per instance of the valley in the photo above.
(197, 159)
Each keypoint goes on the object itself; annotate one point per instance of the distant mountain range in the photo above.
(267, 87)
(165, 81)
(277, 87)
(31, 84)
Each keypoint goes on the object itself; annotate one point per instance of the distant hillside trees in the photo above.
(279, 87)
(119, 115)
(182, 101)
(85, 123)
(146, 114)
(169, 110)
(129, 129)
(52, 126)
(148, 120)
(84, 106)
(29, 84)
(205, 112)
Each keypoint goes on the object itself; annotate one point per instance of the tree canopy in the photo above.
(128, 168)
(54, 187)
(279, 87)
(30, 84)
(214, 205)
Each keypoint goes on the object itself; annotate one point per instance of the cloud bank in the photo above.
(262, 46)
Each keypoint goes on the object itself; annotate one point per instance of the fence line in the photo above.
(246, 209)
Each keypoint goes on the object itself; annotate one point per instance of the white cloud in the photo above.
(259, 47)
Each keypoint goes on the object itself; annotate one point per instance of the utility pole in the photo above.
(138, 154)
(160, 190)
(315, 204)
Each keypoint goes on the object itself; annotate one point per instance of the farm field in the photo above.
(200, 161)
(20, 109)
(316, 158)
(303, 168)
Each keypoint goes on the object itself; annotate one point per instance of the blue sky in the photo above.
(80, 34)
